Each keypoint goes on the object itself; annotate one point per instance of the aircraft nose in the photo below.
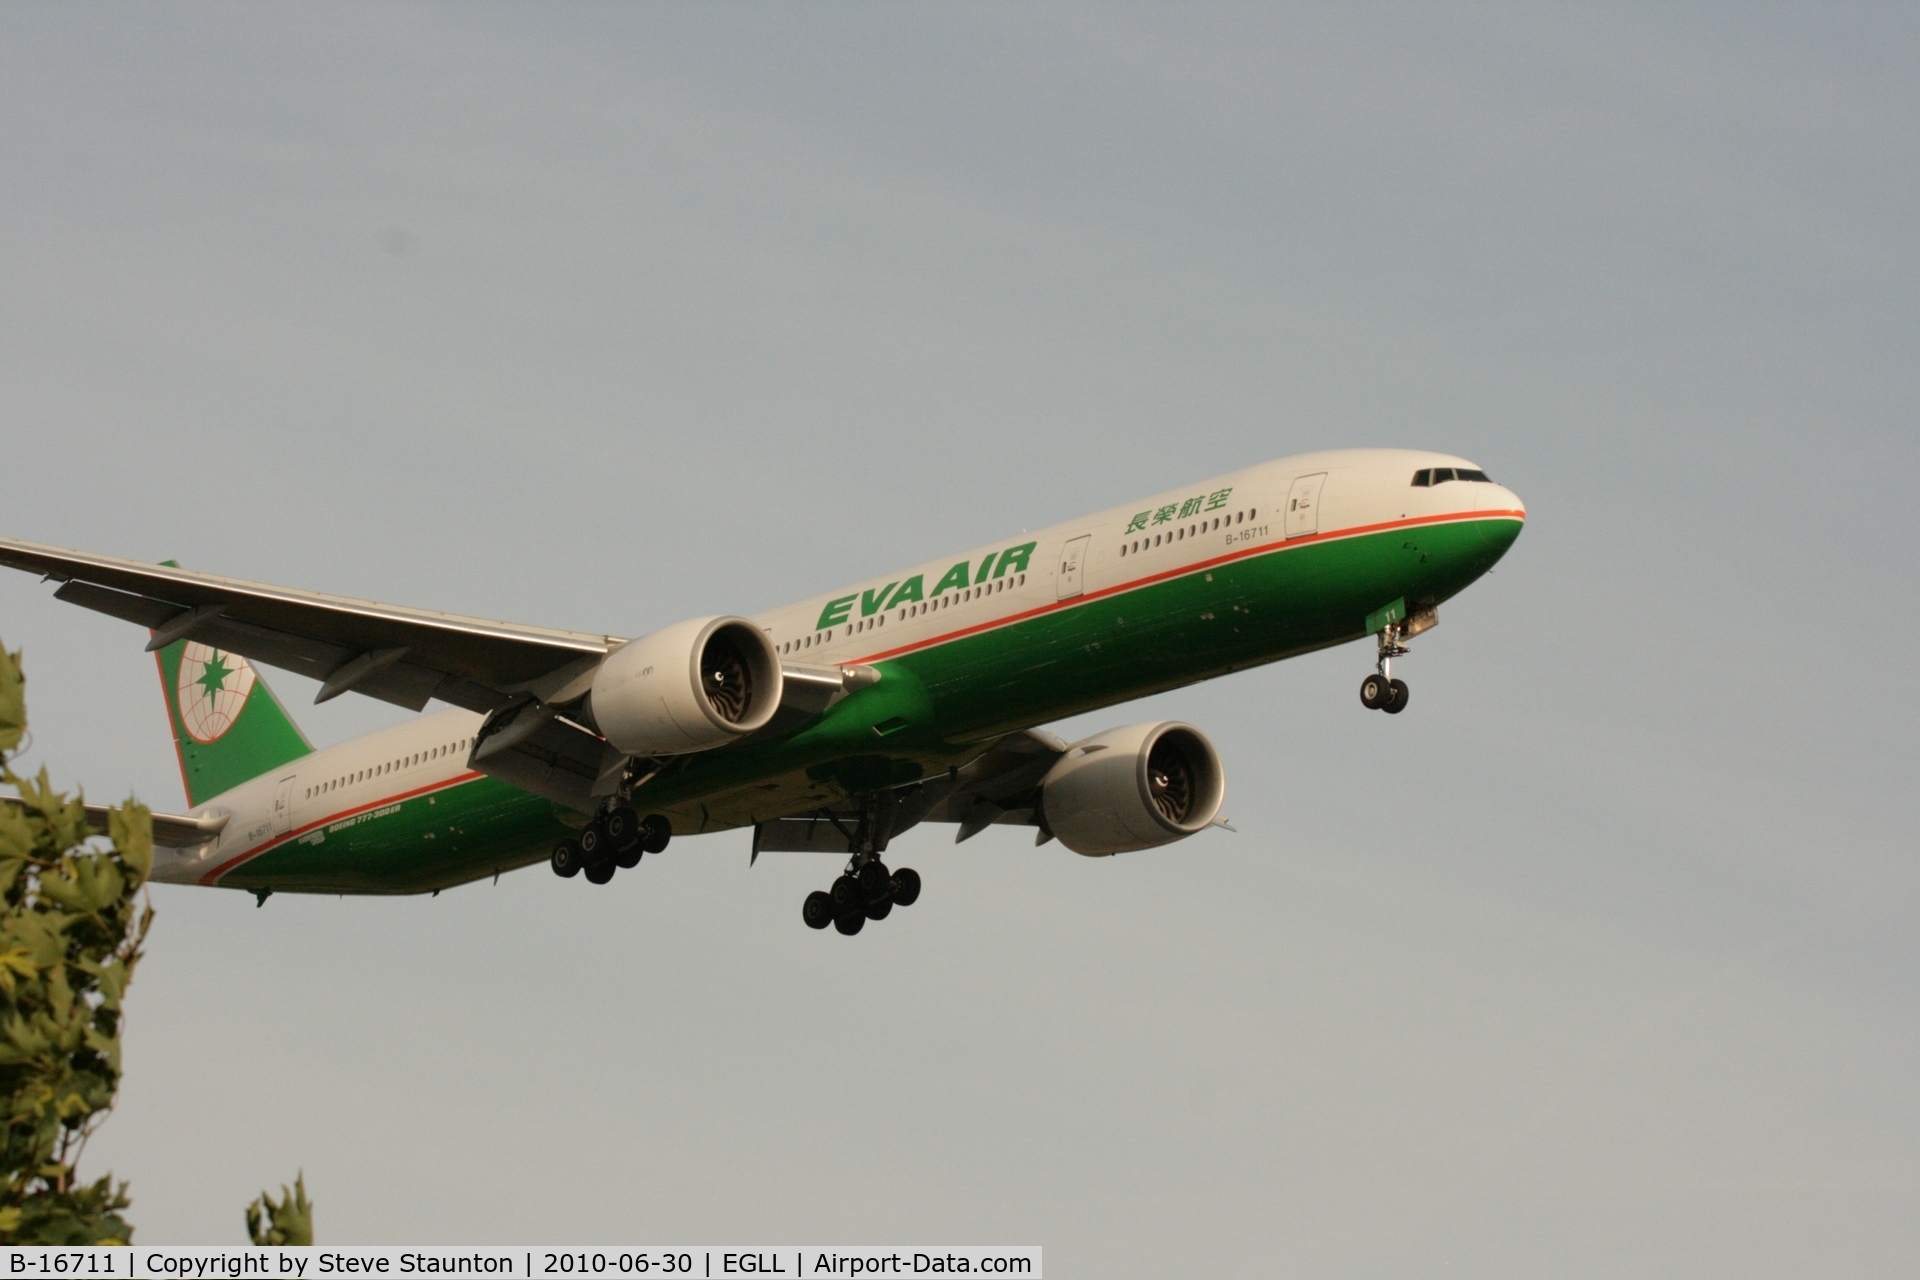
(1500, 534)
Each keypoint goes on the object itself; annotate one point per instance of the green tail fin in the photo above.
(227, 725)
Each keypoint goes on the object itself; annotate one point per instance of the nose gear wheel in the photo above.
(1380, 691)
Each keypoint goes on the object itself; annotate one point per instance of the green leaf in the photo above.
(131, 828)
(287, 1222)
(71, 931)
(13, 701)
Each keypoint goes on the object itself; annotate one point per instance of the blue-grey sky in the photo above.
(1599, 961)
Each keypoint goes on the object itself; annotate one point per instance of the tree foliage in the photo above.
(72, 923)
(290, 1221)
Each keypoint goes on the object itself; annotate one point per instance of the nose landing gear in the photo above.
(1380, 691)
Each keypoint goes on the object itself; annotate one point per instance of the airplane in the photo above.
(833, 724)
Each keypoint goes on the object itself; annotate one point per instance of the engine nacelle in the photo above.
(688, 687)
(1133, 788)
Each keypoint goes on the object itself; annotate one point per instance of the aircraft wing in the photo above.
(1001, 786)
(400, 655)
(169, 829)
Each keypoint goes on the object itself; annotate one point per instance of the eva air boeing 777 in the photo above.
(833, 724)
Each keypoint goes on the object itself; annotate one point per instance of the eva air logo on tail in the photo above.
(213, 690)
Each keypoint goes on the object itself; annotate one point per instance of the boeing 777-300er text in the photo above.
(833, 724)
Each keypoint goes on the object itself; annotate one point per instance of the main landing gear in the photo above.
(614, 840)
(1380, 691)
(866, 892)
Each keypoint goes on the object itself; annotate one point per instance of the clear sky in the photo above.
(1598, 961)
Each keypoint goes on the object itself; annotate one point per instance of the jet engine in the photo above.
(689, 687)
(1133, 788)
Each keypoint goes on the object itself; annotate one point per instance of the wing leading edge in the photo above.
(400, 655)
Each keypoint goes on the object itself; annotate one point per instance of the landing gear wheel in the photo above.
(875, 881)
(622, 826)
(906, 887)
(1375, 690)
(628, 858)
(817, 910)
(600, 873)
(566, 860)
(846, 894)
(593, 843)
(1397, 702)
(852, 924)
(880, 909)
(655, 831)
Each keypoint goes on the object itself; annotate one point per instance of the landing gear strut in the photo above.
(866, 890)
(1380, 691)
(613, 841)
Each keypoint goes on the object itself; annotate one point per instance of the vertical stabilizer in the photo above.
(227, 725)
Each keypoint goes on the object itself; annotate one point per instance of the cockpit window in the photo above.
(1440, 475)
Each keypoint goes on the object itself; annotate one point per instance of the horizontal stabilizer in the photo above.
(169, 829)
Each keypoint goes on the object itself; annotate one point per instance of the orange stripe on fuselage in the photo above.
(1305, 539)
(214, 875)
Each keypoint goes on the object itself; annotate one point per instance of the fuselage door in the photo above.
(1073, 563)
(1303, 505)
(283, 806)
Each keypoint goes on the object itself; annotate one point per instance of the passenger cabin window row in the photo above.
(391, 766)
(1428, 476)
(953, 598)
(1186, 531)
(946, 601)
